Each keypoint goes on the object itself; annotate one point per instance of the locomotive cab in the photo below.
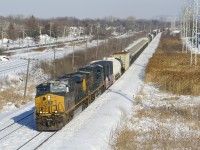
(50, 104)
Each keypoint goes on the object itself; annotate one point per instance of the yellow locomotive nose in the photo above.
(49, 103)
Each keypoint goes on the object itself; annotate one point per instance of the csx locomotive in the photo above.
(57, 99)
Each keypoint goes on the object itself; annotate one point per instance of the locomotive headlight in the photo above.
(49, 97)
(40, 112)
(56, 111)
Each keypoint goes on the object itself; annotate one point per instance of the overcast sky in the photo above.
(145, 9)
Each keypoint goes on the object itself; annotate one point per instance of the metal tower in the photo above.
(194, 37)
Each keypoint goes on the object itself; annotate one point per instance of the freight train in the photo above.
(58, 99)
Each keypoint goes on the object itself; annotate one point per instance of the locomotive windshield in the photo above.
(56, 87)
(43, 88)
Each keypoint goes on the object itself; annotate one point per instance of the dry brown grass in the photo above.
(40, 49)
(163, 136)
(170, 128)
(15, 96)
(60, 45)
(127, 139)
(171, 69)
(12, 90)
(77, 43)
(10, 53)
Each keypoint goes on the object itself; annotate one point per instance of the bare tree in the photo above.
(12, 33)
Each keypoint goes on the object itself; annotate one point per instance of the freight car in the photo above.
(58, 99)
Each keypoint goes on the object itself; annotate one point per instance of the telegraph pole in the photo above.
(85, 48)
(40, 28)
(50, 31)
(121, 36)
(64, 33)
(2, 37)
(194, 31)
(54, 57)
(188, 17)
(23, 32)
(183, 35)
(97, 40)
(73, 56)
(196, 7)
(27, 73)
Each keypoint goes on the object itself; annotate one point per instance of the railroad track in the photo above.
(8, 128)
(8, 131)
(35, 138)
(17, 121)
(23, 129)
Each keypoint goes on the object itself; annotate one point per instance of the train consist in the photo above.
(58, 99)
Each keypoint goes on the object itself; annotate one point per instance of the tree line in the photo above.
(31, 26)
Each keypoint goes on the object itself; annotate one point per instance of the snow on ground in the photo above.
(93, 127)
(160, 120)
(16, 65)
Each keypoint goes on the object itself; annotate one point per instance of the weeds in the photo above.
(168, 125)
(171, 68)
(12, 90)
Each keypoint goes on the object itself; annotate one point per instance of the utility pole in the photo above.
(40, 29)
(27, 73)
(54, 57)
(194, 31)
(188, 19)
(183, 28)
(73, 56)
(121, 36)
(97, 39)
(196, 8)
(23, 32)
(85, 39)
(64, 33)
(50, 31)
(186, 25)
(2, 37)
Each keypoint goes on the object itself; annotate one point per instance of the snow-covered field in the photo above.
(16, 64)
